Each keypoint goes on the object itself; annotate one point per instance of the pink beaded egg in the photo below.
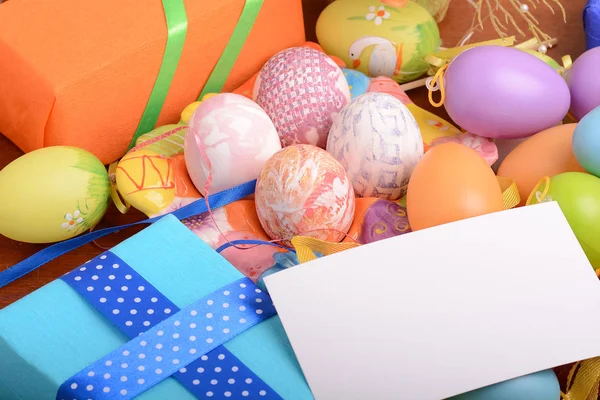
(232, 136)
(302, 90)
(303, 190)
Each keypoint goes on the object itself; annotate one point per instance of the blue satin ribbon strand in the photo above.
(164, 340)
(591, 23)
(40, 258)
(252, 243)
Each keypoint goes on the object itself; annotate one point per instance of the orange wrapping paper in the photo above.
(80, 73)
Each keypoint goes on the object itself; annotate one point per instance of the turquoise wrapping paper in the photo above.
(53, 333)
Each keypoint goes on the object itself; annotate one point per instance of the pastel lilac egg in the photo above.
(231, 136)
(302, 90)
(583, 83)
(502, 92)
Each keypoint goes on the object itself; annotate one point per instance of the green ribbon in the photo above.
(177, 23)
(219, 76)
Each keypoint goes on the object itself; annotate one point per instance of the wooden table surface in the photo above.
(456, 23)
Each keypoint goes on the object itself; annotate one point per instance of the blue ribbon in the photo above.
(591, 23)
(50, 253)
(227, 245)
(165, 341)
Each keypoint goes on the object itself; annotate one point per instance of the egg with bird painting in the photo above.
(380, 38)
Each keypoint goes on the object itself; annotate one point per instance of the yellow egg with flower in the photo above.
(52, 194)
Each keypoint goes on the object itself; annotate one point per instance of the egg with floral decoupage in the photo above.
(379, 143)
(230, 136)
(302, 90)
(303, 190)
(52, 194)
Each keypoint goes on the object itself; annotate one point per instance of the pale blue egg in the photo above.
(586, 142)
(538, 386)
(357, 81)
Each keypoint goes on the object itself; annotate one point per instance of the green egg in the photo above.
(578, 195)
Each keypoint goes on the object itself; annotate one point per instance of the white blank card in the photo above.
(443, 311)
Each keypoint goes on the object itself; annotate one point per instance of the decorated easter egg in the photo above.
(547, 153)
(578, 195)
(583, 83)
(434, 130)
(380, 37)
(153, 183)
(231, 137)
(586, 141)
(168, 139)
(378, 142)
(377, 219)
(357, 81)
(302, 90)
(52, 194)
(485, 147)
(450, 183)
(541, 385)
(303, 190)
(502, 92)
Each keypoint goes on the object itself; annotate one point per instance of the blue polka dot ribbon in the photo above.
(166, 341)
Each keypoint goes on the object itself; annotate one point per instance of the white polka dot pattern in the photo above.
(185, 344)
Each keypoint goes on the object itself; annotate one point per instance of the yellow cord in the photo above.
(544, 181)
(438, 79)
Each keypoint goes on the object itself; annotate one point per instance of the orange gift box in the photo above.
(80, 73)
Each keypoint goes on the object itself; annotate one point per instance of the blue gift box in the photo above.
(84, 335)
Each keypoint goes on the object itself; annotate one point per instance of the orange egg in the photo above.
(451, 182)
(547, 153)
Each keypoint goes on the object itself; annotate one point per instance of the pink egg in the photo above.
(231, 135)
(303, 190)
(302, 90)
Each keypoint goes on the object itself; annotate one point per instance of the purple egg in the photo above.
(584, 84)
(502, 92)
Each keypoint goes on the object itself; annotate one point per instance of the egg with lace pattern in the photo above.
(303, 190)
(302, 90)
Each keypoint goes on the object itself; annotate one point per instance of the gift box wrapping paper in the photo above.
(81, 73)
(53, 333)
